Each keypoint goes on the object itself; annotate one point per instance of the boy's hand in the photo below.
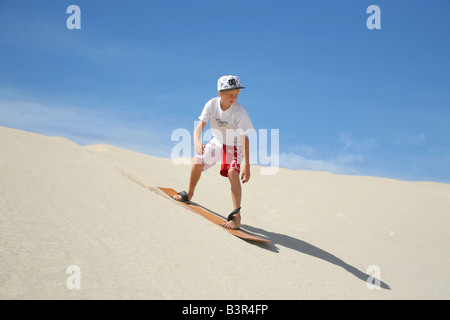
(199, 148)
(245, 173)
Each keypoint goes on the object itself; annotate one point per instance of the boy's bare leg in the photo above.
(196, 172)
(236, 196)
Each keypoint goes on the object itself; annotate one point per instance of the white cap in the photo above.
(228, 82)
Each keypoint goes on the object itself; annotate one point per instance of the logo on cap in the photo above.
(229, 82)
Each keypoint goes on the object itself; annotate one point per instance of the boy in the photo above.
(230, 125)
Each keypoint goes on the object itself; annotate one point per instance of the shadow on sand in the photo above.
(307, 248)
(302, 247)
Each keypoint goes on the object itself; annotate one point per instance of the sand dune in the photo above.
(64, 205)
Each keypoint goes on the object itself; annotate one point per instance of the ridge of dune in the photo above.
(64, 205)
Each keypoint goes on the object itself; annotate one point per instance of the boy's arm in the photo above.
(245, 170)
(198, 145)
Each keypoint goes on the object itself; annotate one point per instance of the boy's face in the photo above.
(228, 97)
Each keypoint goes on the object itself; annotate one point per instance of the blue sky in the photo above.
(344, 98)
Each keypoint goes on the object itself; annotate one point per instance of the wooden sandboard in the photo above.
(213, 218)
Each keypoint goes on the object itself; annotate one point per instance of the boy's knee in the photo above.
(197, 164)
(233, 174)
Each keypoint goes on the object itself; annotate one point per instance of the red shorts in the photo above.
(231, 157)
(230, 160)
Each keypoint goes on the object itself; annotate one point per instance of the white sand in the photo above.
(62, 204)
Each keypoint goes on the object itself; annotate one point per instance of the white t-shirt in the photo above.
(227, 126)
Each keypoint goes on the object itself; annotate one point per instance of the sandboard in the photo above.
(243, 234)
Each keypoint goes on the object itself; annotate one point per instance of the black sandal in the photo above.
(184, 197)
(231, 215)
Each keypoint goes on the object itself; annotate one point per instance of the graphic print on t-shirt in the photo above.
(221, 123)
